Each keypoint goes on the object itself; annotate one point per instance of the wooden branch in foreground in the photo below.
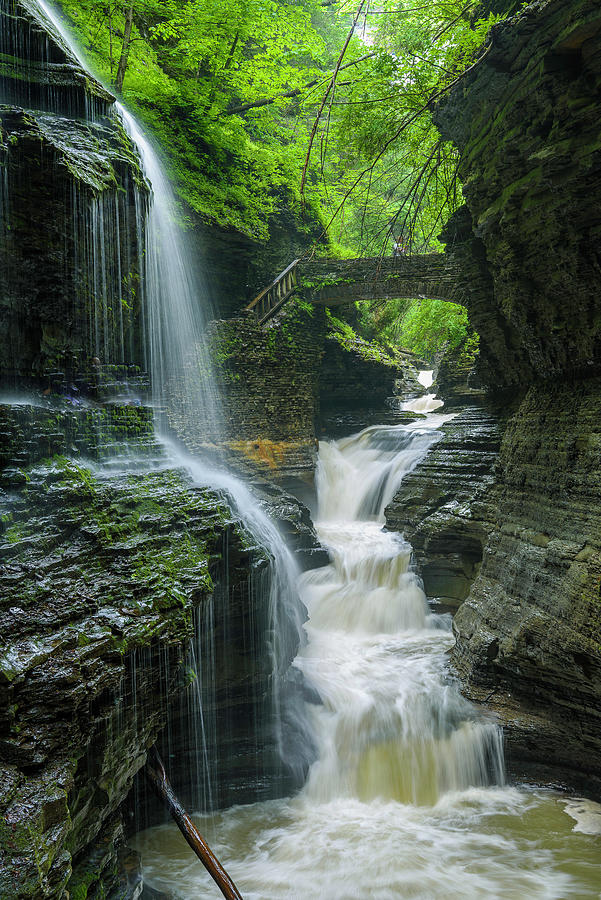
(156, 775)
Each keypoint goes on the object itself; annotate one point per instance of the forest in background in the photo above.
(318, 107)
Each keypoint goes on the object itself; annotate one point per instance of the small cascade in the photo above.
(426, 377)
(406, 796)
(357, 477)
(391, 726)
(426, 404)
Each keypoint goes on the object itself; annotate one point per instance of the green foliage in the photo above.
(241, 98)
(340, 326)
(402, 175)
(429, 326)
(191, 66)
(231, 89)
(372, 350)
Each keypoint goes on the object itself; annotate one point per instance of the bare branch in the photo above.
(155, 772)
(327, 94)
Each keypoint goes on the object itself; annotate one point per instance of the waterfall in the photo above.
(76, 262)
(166, 304)
(174, 299)
(406, 797)
(405, 794)
(177, 308)
(391, 725)
(46, 78)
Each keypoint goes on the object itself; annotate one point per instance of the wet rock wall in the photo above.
(100, 575)
(268, 378)
(526, 122)
(72, 205)
(118, 578)
(444, 507)
(530, 630)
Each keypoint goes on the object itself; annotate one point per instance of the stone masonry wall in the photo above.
(269, 381)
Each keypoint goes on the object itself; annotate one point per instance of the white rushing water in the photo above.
(406, 797)
(177, 308)
(389, 727)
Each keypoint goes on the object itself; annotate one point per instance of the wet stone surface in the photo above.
(105, 568)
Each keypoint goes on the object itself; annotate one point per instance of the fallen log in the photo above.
(156, 775)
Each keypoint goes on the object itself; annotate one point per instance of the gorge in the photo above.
(292, 674)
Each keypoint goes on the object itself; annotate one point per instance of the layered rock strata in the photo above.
(444, 506)
(525, 120)
(529, 632)
(72, 204)
(110, 573)
(283, 385)
(268, 379)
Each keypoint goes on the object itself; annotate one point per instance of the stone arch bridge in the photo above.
(335, 282)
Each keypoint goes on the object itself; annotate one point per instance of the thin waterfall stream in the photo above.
(407, 796)
(175, 308)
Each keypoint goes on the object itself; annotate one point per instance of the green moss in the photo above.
(14, 533)
(81, 882)
(370, 351)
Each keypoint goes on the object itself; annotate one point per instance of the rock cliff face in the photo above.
(530, 630)
(284, 384)
(443, 506)
(72, 201)
(112, 573)
(94, 638)
(115, 565)
(269, 384)
(525, 120)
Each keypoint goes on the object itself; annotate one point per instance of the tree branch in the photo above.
(292, 93)
(326, 95)
(121, 69)
(156, 775)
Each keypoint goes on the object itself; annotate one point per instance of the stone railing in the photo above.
(266, 304)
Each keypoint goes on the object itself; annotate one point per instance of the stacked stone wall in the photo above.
(268, 378)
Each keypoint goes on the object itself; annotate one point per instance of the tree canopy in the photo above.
(261, 101)
(315, 106)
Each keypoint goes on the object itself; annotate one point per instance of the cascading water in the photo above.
(44, 78)
(406, 797)
(173, 305)
(389, 727)
(176, 305)
(183, 387)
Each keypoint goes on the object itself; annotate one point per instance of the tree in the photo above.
(125, 47)
(221, 83)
